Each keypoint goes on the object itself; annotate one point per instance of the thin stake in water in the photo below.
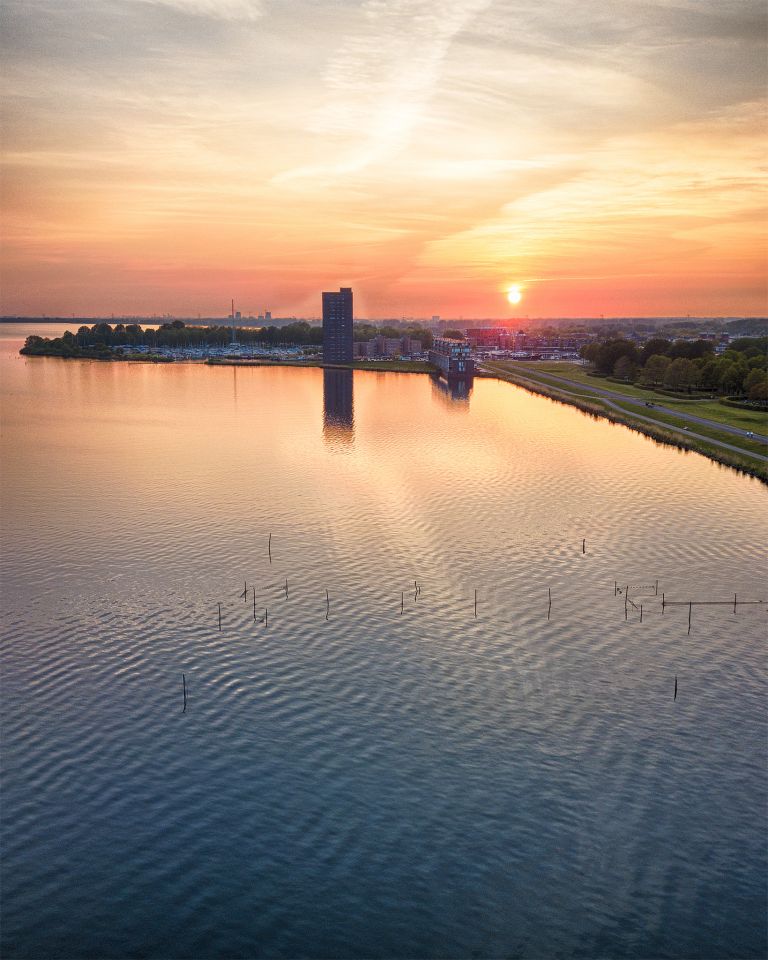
(184, 689)
(475, 602)
(584, 546)
(675, 697)
(254, 604)
(690, 609)
(549, 608)
(219, 616)
(402, 603)
(269, 548)
(327, 605)
(286, 588)
(244, 594)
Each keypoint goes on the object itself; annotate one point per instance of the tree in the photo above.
(691, 349)
(422, 334)
(732, 379)
(363, 331)
(451, 334)
(751, 346)
(755, 378)
(609, 353)
(626, 369)
(100, 333)
(679, 374)
(654, 369)
(759, 391)
(658, 346)
(709, 377)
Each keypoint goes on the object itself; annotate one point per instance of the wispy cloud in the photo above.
(382, 76)
(219, 9)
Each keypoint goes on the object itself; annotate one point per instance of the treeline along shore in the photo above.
(686, 366)
(104, 341)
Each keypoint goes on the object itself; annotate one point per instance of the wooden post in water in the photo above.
(626, 600)
(657, 588)
(675, 697)
(734, 603)
(663, 602)
(475, 602)
(549, 608)
(254, 604)
(641, 613)
(584, 545)
(327, 605)
(286, 588)
(184, 689)
(266, 617)
(269, 548)
(244, 594)
(219, 616)
(402, 603)
(690, 609)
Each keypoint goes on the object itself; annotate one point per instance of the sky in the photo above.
(164, 156)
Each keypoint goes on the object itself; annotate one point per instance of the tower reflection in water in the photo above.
(338, 407)
(453, 393)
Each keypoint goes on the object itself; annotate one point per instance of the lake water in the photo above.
(386, 770)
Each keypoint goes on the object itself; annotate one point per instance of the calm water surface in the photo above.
(383, 773)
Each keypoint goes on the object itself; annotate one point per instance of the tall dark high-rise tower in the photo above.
(337, 326)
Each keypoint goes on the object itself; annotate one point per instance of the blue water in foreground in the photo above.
(349, 780)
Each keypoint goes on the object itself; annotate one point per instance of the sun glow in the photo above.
(514, 293)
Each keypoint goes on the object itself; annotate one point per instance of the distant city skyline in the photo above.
(476, 158)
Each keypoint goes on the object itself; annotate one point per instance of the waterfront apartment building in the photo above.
(388, 347)
(337, 326)
(452, 358)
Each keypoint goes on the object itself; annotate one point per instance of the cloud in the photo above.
(217, 9)
(382, 76)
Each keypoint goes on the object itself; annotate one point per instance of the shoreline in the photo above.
(381, 366)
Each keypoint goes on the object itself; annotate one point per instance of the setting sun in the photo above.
(514, 293)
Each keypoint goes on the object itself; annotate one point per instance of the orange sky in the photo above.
(166, 155)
